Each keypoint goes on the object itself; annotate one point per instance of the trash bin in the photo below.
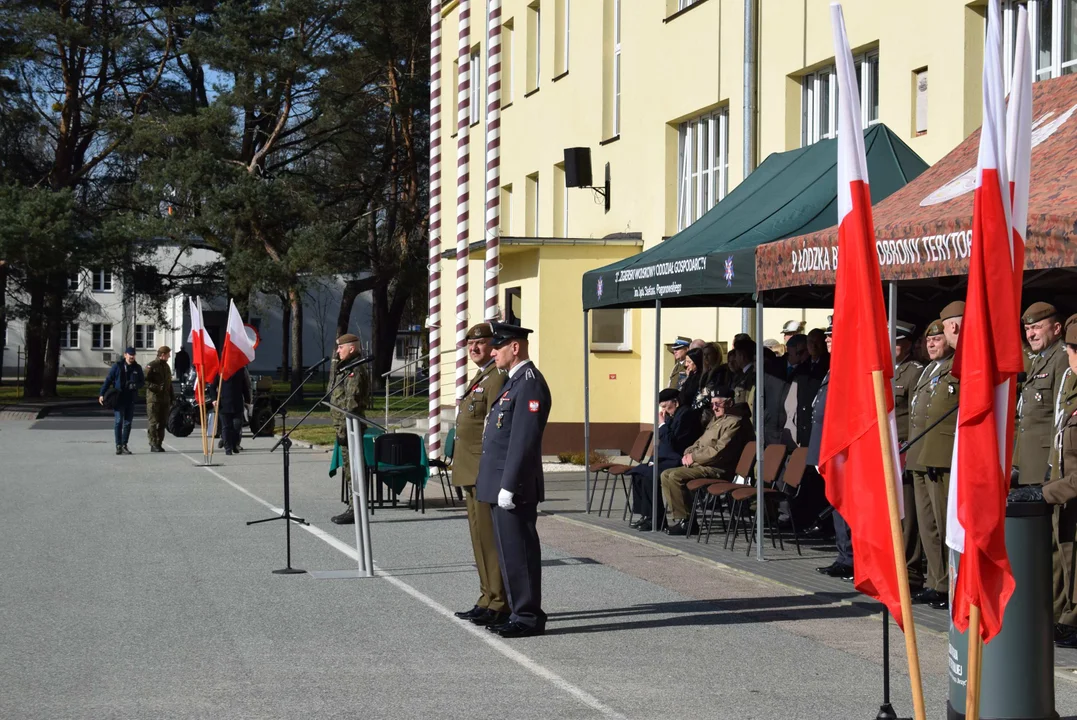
(1018, 676)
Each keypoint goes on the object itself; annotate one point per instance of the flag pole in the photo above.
(975, 665)
(202, 414)
(890, 474)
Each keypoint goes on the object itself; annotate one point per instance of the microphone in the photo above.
(323, 361)
(355, 364)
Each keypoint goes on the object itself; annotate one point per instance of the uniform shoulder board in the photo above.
(529, 374)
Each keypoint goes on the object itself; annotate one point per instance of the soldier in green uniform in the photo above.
(936, 395)
(1036, 403)
(679, 348)
(484, 388)
(158, 397)
(350, 394)
(906, 372)
(1061, 490)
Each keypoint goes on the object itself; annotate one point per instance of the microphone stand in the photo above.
(285, 441)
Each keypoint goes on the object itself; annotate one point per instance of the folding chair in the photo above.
(790, 480)
(400, 458)
(618, 472)
(443, 465)
(773, 457)
(712, 501)
(639, 447)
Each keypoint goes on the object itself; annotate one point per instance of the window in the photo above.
(102, 281)
(474, 102)
(102, 336)
(920, 102)
(819, 99)
(704, 165)
(506, 210)
(513, 306)
(1053, 25)
(69, 336)
(616, 67)
(561, 36)
(73, 281)
(560, 202)
(682, 4)
(532, 213)
(611, 330)
(534, 46)
(507, 45)
(144, 337)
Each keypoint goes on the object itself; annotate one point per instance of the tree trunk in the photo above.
(387, 312)
(286, 339)
(295, 299)
(352, 290)
(35, 340)
(54, 307)
(3, 315)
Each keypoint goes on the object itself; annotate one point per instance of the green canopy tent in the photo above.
(712, 262)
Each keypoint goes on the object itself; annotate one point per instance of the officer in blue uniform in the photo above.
(510, 478)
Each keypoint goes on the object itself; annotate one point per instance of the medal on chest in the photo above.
(500, 419)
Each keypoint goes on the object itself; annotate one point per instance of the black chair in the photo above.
(398, 460)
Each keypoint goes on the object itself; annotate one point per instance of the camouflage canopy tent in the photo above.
(923, 230)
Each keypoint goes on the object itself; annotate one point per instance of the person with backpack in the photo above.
(119, 392)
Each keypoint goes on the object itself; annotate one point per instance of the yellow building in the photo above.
(655, 88)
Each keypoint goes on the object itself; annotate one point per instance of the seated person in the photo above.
(679, 427)
(714, 455)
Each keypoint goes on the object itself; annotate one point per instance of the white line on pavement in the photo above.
(502, 647)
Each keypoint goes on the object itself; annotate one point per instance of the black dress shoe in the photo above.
(940, 603)
(838, 570)
(490, 618)
(644, 526)
(475, 611)
(497, 627)
(635, 525)
(345, 518)
(519, 630)
(926, 597)
(1068, 639)
(681, 528)
(826, 570)
(1064, 631)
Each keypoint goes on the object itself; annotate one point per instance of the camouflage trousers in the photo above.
(156, 420)
(346, 468)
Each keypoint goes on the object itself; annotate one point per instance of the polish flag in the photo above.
(851, 455)
(988, 354)
(203, 351)
(238, 347)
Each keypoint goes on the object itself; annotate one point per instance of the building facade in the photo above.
(655, 88)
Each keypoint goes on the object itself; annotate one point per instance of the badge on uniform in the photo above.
(500, 417)
(950, 389)
(533, 405)
(478, 390)
(1039, 397)
(504, 399)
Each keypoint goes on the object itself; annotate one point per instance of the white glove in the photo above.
(504, 500)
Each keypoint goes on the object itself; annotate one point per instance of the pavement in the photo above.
(135, 589)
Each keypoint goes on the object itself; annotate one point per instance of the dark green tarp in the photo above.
(712, 261)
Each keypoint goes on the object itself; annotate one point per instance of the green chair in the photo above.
(443, 465)
(400, 458)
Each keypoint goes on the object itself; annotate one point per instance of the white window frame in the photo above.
(508, 60)
(1062, 15)
(625, 345)
(99, 284)
(703, 162)
(145, 336)
(616, 67)
(74, 281)
(69, 336)
(97, 336)
(474, 98)
(537, 17)
(538, 212)
(814, 105)
(568, 14)
(682, 4)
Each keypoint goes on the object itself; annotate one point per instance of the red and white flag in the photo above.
(238, 346)
(203, 351)
(989, 351)
(851, 454)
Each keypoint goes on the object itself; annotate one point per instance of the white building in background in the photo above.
(108, 325)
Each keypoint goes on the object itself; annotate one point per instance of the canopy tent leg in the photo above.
(892, 303)
(760, 440)
(655, 525)
(586, 418)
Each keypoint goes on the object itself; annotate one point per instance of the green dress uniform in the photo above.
(1035, 414)
(677, 375)
(906, 374)
(350, 394)
(482, 392)
(937, 391)
(1061, 490)
(159, 396)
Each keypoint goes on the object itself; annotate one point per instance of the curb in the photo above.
(25, 411)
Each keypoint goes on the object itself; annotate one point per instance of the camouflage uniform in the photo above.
(159, 398)
(350, 394)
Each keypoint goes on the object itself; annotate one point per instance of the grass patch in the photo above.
(316, 434)
(66, 390)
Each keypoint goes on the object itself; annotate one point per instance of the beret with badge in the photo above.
(347, 338)
(1038, 311)
(954, 309)
(479, 331)
(935, 328)
(1071, 330)
(163, 349)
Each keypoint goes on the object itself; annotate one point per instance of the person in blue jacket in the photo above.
(126, 378)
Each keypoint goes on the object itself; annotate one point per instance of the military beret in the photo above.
(480, 330)
(164, 349)
(348, 338)
(935, 328)
(905, 331)
(680, 342)
(668, 394)
(722, 391)
(1071, 332)
(504, 333)
(792, 327)
(1071, 320)
(954, 309)
(1038, 311)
